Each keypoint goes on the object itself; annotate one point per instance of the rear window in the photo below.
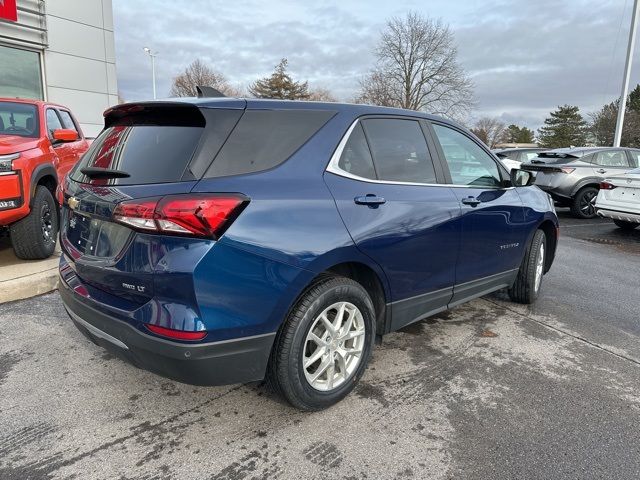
(19, 119)
(264, 139)
(148, 153)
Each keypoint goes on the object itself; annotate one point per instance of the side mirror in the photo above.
(65, 135)
(521, 178)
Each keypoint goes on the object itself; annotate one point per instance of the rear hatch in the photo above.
(622, 192)
(134, 183)
(548, 164)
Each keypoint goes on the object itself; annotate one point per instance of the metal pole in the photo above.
(153, 74)
(627, 73)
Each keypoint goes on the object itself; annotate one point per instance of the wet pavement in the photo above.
(490, 389)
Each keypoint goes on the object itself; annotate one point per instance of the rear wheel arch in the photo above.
(371, 282)
(551, 233)
(591, 182)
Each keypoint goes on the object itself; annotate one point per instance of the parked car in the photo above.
(39, 143)
(572, 176)
(515, 157)
(619, 199)
(219, 241)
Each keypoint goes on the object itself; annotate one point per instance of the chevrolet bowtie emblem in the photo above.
(73, 203)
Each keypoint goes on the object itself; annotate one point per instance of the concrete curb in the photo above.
(29, 285)
(20, 279)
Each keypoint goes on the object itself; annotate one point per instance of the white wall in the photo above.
(79, 63)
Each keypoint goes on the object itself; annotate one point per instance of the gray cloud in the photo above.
(524, 57)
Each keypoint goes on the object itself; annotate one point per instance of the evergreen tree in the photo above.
(516, 134)
(563, 128)
(634, 99)
(280, 85)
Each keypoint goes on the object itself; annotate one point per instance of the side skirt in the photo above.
(410, 310)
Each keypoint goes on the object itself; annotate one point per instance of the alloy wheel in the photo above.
(333, 347)
(539, 267)
(46, 223)
(586, 203)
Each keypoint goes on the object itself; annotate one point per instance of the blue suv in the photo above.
(218, 241)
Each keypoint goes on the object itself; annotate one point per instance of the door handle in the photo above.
(472, 201)
(602, 170)
(370, 199)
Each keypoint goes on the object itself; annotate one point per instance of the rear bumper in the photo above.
(618, 215)
(217, 363)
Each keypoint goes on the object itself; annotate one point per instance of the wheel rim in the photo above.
(46, 223)
(333, 347)
(539, 266)
(586, 203)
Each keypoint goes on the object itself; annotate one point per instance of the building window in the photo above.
(20, 73)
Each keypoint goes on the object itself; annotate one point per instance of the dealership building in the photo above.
(61, 51)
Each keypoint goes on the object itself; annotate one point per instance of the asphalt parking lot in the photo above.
(488, 390)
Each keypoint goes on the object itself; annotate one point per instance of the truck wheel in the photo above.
(582, 206)
(323, 347)
(625, 225)
(35, 236)
(526, 288)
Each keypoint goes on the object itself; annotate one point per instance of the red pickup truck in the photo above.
(39, 143)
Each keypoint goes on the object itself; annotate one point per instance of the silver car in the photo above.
(572, 176)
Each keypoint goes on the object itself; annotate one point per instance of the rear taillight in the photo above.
(606, 186)
(200, 215)
(176, 334)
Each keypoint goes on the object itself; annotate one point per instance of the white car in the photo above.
(619, 199)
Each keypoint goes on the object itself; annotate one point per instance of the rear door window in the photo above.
(264, 139)
(611, 158)
(399, 150)
(468, 163)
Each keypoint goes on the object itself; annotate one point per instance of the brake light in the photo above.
(176, 334)
(201, 215)
(567, 169)
(606, 186)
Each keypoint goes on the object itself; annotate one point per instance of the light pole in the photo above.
(153, 68)
(627, 73)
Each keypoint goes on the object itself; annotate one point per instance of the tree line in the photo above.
(566, 126)
(416, 68)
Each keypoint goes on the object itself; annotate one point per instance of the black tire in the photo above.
(624, 225)
(35, 236)
(524, 289)
(582, 207)
(285, 373)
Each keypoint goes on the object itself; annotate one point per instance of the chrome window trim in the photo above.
(334, 168)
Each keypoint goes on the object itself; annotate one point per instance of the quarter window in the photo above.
(468, 163)
(399, 150)
(356, 157)
(53, 122)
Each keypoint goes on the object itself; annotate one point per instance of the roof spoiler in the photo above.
(208, 92)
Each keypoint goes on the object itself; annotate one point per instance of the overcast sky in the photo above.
(525, 57)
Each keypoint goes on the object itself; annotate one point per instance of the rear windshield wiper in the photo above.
(98, 172)
(538, 161)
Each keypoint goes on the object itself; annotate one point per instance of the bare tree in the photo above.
(198, 73)
(490, 130)
(417, 69)
(322, 95)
